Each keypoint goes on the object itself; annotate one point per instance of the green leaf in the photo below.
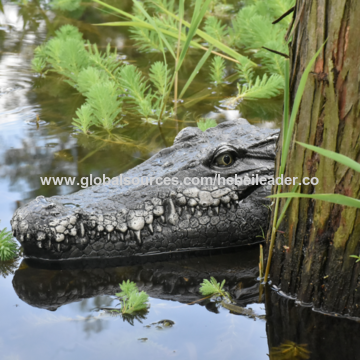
(355, 257)
(136, 88)
(217, 70)
(105, 103)
(132, 300)
(153, 23)
(264, 88)
(85, 118)
(8, 246)
(342, 159)
(204, 124)
(160, 76)
(198, 67)
(214, 28)
(287, 203)
(286, 102)
(332, 198)
(224, 48)
(193, 28)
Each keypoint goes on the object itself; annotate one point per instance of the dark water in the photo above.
(57, 314)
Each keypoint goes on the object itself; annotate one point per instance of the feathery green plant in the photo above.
(217, 70)
(204, 124)
(112, 88)
(8, 246)
(213, 288)
(131, 299)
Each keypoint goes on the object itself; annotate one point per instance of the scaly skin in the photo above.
(124, 221)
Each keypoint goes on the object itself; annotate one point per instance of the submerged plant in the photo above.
(8, 246)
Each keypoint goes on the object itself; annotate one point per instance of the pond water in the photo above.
(61, 313)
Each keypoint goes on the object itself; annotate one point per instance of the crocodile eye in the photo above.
(225, 159)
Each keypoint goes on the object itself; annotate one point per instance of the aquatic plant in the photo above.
(131, 299)
(8, 246)
(204, 124)
(217, 70)
(290, 350)
(112, 88)
(213, 288)
(250, 30)
(9, 267)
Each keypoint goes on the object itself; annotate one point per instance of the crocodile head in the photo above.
(194, 209)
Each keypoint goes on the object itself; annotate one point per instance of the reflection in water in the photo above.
(289, 351)
(129, 318)
(177, 280)
(8, 267)
(298, 332)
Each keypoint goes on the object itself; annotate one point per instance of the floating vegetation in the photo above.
(133, 303)
(8, 246)
(214, 289)
(131, 299)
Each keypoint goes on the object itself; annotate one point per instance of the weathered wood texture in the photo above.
(321, 236)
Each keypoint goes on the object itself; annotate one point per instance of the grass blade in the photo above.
(342, 159)
(332, 198)
(227, 50)
(195, 22)
(287, 203)
(286, 102)
(295, 109)
(176, 86)
(196, 70)
(160, 34)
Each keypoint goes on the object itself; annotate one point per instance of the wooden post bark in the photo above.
(311, 259)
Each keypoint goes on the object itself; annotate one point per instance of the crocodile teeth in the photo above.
(60, 237)
(40, 236)
(39, 244)
(108, 237)
(21, 238)
(151, 229)
(162, 218)
(122, 237)
(136, 223)
(192, 210)
(216, 210)
(179, 210)
(138, 236)
(82, 230)
(49, 244)
(228, 206)
(158, 210)
(122, 227)
(58, 247)
(170, 212)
